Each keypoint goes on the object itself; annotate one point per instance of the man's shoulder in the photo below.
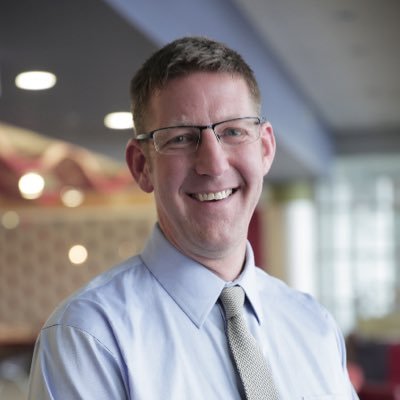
(289, 300)
(107, 310)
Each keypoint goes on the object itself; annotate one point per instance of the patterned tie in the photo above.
(254, 370)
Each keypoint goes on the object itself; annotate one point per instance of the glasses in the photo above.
(184, 139)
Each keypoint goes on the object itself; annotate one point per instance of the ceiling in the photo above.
(344, 55)
(93, 52)
(345, 58)
(342, 60)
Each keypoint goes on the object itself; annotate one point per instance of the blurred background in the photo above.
(328, 222)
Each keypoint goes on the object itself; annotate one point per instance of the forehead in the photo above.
(202, 98)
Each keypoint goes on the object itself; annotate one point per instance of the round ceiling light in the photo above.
(35, 80)
(118, 120)
(31, 185)
(77, 254)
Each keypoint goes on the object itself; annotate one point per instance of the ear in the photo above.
(268, 145)
(138, 164)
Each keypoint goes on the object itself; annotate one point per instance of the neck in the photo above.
(227, 261)
(228, 267)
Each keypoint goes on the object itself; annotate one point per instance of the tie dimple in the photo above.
(232, 299)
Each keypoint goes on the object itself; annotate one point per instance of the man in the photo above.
(160, 325)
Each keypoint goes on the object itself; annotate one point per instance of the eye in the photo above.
(186, 138)
(233, 132)
(233, 135)
(176, 138)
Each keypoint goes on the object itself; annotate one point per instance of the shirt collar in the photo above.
(248, 281)
(194, 288)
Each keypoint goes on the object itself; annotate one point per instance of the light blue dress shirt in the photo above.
(152, 328)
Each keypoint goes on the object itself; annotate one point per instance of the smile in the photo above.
(212, 196)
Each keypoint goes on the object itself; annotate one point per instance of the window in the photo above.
(358, 213)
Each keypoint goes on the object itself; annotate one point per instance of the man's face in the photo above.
(201, 226)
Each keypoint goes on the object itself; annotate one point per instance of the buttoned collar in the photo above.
(194, 288)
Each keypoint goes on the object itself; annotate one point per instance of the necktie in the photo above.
(254, 370)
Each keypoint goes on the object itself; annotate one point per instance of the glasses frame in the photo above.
(150, 135)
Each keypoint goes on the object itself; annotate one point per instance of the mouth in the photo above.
(213, 196)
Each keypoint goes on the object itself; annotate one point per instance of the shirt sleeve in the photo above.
(69, 363)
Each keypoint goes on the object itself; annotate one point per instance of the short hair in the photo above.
(182, 57)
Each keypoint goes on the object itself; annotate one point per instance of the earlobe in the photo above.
(268, 145)
(138, 165)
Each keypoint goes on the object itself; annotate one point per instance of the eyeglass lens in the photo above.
(184, 139)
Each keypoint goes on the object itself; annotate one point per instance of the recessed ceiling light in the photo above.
(10, 220)
(118, 120)
(77, 254)
(35, 80)
(72, 197)
(31, 185)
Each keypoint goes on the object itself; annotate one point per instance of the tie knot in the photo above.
(232, 299)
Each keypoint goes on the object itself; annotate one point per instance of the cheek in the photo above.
(253, 173)
(168, 175)
(263, 161)
(254, 164)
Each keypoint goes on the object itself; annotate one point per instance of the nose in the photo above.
(211, 159)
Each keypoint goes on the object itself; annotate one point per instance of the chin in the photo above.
(215, 241)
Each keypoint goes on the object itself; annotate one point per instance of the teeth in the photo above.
(213, 196)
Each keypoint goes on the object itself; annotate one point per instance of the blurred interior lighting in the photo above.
(301, 238)
(10, 220)
(31, 185)
(35, 80)
(118, 120)
(72, 197)
(77, 254)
